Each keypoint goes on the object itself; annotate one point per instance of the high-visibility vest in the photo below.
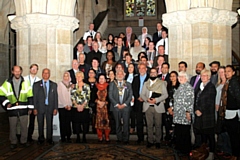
(6, 90)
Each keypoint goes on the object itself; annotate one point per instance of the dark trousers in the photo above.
(65, 123)
(209, 137)
(31, 125)
(49, 121)
(167, 122)
(183, 138)
(233, 129)
(137, 116)
(122, 133)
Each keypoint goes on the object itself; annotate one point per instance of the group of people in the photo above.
(123, 83)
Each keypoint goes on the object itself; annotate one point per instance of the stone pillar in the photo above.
(199, 30)
(45, 38)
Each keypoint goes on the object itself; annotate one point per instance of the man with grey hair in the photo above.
(144, 35)
(120, 96)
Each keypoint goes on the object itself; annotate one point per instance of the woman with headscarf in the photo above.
(64, 107)
(130, 37)
(144, 34)
(134, 51)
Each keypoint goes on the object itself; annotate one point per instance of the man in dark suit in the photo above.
(95, 53)
(157, 36)
(45, 104)
(78, 51)
(74, 70)
(119, 49)
(137, 113)
(120, 96)
(195, 82)
(165, 76)
(160, 52)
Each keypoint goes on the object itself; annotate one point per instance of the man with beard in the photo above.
(154, 93)
(16, 97)
(195, 82)
(214, 66)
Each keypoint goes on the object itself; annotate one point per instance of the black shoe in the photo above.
(50, 141)
(108, 141)
(138, 142)
(69, 140)
(78, 140)
(30, 139)
(13, 146)
(40, 142)
(24, 145)
(100, 140)
(126, 143)
(149, 145)
(118, 142)
(157, 145)
(84, 140)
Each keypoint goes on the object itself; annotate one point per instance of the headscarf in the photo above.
(66, 83)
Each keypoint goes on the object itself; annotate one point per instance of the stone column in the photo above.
(46, 40)
(199, 32)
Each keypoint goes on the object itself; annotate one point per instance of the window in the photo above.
(140, 8)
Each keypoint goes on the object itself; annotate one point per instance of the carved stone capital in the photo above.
(57, 21)
(196, 15)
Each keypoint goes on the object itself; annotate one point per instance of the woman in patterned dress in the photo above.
(102, 119)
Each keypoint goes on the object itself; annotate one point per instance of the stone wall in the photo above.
(6, 7)
(199, 31)
(85, 12)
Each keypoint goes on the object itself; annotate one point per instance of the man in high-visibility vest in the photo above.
(16, 97)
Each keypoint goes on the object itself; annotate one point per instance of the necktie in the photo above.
(163, 77)
(45, 89)
(120, 96)
(164, 43)
(159, 34)
(196, 81)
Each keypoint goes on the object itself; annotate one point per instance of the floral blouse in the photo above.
(81, 96)
(183, 102)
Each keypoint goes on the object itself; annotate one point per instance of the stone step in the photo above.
(137, 30)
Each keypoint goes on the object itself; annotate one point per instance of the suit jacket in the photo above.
(113, 95)
(167, 78)
(75, 55)
(156, 38)
(136, 86)
(120, 56)
(192, 81)
(132, 39)
(205, 103)
(145, 95)
(39, 97)
(85, 69)
(92, 55)
(72, 75)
